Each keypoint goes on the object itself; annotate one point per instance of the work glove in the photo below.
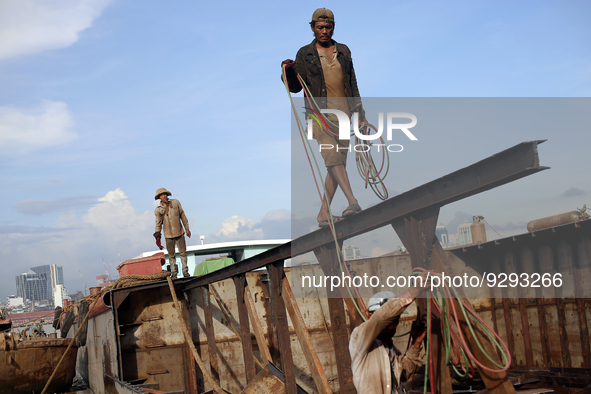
(158, 236)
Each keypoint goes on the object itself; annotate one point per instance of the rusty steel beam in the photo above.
(417, 233)
(276, 275)
(327, 256)
(278, 253)
(245, 336)
(257, 327)
(263, 281)
(504, 167)
(511, 164)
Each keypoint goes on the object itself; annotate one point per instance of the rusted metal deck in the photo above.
(138, 340)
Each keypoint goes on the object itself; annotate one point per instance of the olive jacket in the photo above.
(373, 371)
(171, 220)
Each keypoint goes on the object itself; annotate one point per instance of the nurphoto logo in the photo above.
(345, 126)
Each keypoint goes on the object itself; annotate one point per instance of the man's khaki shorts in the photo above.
(331, 156)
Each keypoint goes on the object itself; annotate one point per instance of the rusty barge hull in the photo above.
(27, 365)
(149, 347)
(137, 341)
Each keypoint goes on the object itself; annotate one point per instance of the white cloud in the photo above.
(278, 214)
(377, 252)
(238, 228)
(116, 219)
(30, 26)
(25, 130)
(274, 225)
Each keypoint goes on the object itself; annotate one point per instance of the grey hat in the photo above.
(160, 191)
(324, 14)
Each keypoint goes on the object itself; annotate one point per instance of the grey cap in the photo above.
(323, 13)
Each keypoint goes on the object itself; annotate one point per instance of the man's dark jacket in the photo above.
(310, 69)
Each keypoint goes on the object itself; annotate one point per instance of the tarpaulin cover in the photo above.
(212, 265)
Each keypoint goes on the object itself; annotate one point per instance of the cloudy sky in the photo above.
(104, 101)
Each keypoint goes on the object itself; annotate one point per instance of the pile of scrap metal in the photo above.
(35, 330)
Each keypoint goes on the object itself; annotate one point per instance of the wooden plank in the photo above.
(213, 357)
(441, 377)
(280, 322)
(271, 334)
(305, 340)
(245, 336)
(257, 327)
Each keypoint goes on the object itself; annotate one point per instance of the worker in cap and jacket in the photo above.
(378, 366)
(326, 68)
(169, 215)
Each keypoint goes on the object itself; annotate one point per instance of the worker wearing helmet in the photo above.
(169, 214)
(378, 366)
(326, 67)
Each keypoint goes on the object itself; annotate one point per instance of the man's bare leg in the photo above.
(330, 184)
(337, 176)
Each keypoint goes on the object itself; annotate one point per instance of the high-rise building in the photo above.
(103, 280)
(464, 234)
(14, 301)
(54, 276)
(442, 235)
(59, 294)
(351, 253)
(32, 286)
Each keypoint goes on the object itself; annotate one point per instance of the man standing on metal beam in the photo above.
(378, 366)
(326, 68)
(169, 214)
